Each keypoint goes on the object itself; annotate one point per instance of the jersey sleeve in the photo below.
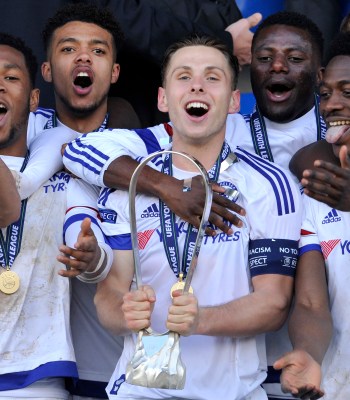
(89, 156)
(273, 205)
(45, 159)
(309, 239)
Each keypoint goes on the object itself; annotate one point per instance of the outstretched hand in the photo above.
(242, 37)
(301, 375)
(329, 183)
(189, 206)
(85, 254)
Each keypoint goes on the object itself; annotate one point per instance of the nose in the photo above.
(197, 85)
(332, 103)
(279, 64)
(83, 56)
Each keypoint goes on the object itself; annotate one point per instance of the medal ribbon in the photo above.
(260, 137)
(169, 230)
(52, 123)
(10, 247)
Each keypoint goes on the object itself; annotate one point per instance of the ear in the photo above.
(115, 73)
(235, 102)
(34, 99)
(162, 100)
(320, 73)
(46, 71)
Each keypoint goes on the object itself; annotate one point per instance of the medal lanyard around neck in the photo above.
(260, 136)
(10, 247)
(52, 123)
(169, 230)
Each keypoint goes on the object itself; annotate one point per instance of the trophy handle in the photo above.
(202, 225)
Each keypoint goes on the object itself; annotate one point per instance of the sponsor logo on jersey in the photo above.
(108, 216)
(58, 183)
(328, 246)
(151, 212)
(144, 237)
(332, 216)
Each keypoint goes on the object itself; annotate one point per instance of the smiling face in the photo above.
(81, 66)
(16, 100)
(284, 72)
(335, 101)
(198, 94)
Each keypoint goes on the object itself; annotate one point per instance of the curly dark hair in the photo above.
(296, 20)
(85, 13)
(340, 46)
(18, 44)
(201, 40)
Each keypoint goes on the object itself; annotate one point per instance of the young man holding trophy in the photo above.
(242, 285)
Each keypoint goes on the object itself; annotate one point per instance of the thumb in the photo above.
(254, 19)
(85, 227)
(344, 157)
(282, 362)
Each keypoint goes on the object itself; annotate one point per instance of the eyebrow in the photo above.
(338, 83)
(270, 48)
(75, 40)
(11, 66)
(208, 68)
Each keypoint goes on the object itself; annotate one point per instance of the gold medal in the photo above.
(9, 281)
(179, 285)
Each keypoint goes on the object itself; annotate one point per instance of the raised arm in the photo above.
(10, 203)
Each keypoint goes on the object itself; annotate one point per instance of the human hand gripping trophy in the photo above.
(157, 361)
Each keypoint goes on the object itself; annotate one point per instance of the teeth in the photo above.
(197, 105)
(339, 123)
(83, 74)
(2, 106)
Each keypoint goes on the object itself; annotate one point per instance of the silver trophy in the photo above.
(157, 360)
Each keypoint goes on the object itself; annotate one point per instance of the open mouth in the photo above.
(196, 109)
(278, 89)
(3, 111)
(82, 80)
(337, 131)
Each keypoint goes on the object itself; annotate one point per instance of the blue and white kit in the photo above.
(34, 321)
(267, 243)
(326, 230)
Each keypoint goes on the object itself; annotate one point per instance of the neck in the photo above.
(206, 153)
(82, 122)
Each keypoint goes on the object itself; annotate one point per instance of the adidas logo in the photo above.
(151, 212)
(332, 216)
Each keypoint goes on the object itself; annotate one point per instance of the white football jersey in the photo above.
(327, 230)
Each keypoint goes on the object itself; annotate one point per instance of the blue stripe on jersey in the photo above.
(76, 218)
(149, 140)
(246, 117)
(120, 242)
(87, 155)
(273, 256)
(310, 247)
(46, 112)
(270, 171)
(54, 369)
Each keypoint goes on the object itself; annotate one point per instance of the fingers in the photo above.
(254, 19)
(183, 314)
(137, 308)
(344, 157)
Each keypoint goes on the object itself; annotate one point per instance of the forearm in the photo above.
(108, 304)
(256, 313)
(310, 331)
(10, 203)
(150, 181)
